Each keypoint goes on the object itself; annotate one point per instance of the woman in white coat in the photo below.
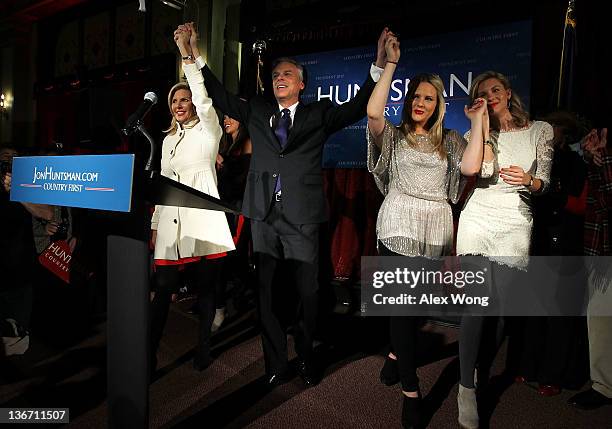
(186, 236)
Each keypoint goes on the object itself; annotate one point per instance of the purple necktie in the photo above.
(282, 131)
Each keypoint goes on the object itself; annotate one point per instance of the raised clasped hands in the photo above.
(186, 37)
(381, 54)
(182, 36)
(392, 47)
(477, 109)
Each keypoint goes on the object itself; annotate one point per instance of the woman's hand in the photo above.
(392, 48)
(181, 37)
(219, 162)
(515, 175)
(72, 242)
(476, 110)
(153, 237)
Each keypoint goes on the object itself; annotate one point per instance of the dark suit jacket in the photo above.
(299, 163)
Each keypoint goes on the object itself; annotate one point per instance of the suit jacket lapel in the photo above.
(270, 136)
(298, 121)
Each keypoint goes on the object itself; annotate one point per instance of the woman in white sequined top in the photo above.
(417, 166)
(496, 221)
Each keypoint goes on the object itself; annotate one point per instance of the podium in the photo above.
(109, 183)
(128, 306)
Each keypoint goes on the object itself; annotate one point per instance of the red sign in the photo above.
(56, 258)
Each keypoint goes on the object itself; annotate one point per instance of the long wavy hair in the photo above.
(434, 126)
(228, 144)
(520, 117)
(191, 122)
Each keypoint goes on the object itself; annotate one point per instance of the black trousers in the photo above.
(553, 349)
(403, 331)
(279, 244)
(168, 282)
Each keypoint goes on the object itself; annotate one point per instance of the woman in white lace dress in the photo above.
(496, 221)
(417, 166)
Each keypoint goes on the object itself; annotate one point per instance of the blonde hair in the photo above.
(520, 117)
(434, 126)
(191, 122)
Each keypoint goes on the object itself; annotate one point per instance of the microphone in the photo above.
(150, 99)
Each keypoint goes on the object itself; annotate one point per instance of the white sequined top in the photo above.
(415, 218)
(496, 220)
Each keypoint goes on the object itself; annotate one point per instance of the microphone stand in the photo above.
(149, 165)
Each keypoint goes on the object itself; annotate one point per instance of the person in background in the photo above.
(18, 260)
(232, 167)
(597, 244)
(554, 347)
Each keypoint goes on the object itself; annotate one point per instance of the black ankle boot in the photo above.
(389, 374)
(411, 412)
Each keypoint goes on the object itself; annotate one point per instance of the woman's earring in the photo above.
(509, 104)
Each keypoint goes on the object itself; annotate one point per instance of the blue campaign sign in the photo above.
(90, 181)
(457, 57)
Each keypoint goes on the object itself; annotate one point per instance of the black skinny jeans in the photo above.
(403, 331)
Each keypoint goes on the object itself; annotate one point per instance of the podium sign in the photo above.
(89, 181)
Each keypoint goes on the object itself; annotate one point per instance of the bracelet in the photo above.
(530, 184)
(488, 142)
(392, 62)
(188, 57)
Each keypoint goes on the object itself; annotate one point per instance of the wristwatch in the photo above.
(188, 57)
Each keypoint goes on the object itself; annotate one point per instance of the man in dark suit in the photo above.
(284, 196)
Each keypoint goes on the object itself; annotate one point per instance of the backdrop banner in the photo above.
(457, 57)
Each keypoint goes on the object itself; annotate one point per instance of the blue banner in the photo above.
(90, 181)
(457, 57)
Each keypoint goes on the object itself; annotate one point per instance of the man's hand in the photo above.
(381, 55)
(193, 37)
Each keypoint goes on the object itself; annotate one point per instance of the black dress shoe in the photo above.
(389, 374)
(276, 379)
(411, 412)
(308, 373)
(589, 400)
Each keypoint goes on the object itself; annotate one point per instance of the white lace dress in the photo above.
(415, 218)
(496, 220)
